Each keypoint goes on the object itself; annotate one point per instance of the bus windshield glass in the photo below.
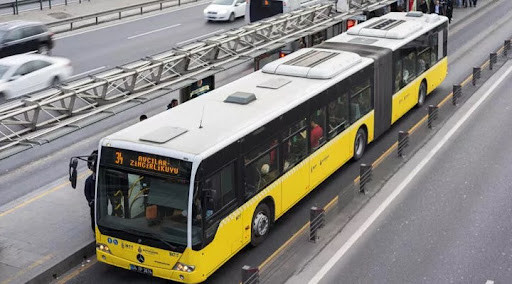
(144, 194)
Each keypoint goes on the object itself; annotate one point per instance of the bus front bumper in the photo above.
(184, 277)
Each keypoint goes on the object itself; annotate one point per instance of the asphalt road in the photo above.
(452, 222)
(99, 49)
(470, 43)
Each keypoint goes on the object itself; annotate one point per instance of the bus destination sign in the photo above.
(143, 161)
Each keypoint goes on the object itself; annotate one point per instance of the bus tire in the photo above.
(260, 225)
(359, 143)
(422, 93)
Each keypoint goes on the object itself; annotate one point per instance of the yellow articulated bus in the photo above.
(179, 194)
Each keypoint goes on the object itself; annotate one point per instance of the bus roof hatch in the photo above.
(386, 28)
(163, 134)
(313, 63)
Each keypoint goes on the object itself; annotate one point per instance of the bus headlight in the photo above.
(103, 248)
(183, 267)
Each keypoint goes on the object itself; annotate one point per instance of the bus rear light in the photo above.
(183, 267)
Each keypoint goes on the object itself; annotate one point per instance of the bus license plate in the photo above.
(142, 270)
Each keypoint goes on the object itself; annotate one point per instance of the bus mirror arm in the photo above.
(73, 163)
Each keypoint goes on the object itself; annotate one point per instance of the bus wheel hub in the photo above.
(260, 224)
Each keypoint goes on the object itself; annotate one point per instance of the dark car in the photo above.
(20, 37)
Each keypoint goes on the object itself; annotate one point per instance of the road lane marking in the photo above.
(154, 31)
(130, 21)
(88, 72)
(198, 37)
(291, 239)
(81, 176)
(337, 256)
(77, 272)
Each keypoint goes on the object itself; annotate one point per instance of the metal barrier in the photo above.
(15, 4)
(432, 115)
(316, 221)
(403, 142)
(117, 13)
(476, 75)
(250, 275)
(457, 93)
(365, 172)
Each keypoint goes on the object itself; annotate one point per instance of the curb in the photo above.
(61, 267)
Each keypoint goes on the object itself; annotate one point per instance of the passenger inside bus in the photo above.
(296, 150)
(316, 134)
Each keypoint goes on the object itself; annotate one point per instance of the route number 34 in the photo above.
(119, 158)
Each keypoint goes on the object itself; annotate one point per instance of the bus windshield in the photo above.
(141, 202)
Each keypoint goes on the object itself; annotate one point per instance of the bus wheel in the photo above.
(260, 225)
(422, 93)
(359, 144)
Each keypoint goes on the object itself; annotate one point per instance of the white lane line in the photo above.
(336, 257)
(489, 282)
(133, 20)
(87, 72)
(198, 37)
(154, 31)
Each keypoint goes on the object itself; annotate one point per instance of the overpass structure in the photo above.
(40, 117)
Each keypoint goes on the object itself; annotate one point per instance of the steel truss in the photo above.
(27, 121)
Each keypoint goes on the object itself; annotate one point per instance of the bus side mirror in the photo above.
(73, 162)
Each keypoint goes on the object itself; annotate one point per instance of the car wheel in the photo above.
(232, 17)
(422, 94)
(359, 144)
(55, 82)
(3, 98)
(260, 226)
(43, 49)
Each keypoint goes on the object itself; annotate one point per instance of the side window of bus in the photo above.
(433, 38)
(261, 167)
(338, 115)
(397, 74)
(360, 100)
(317, 129)
(409, 64)
(295, 144)
(219, 190)
(423, 49)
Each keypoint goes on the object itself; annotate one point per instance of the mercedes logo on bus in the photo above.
(140, 258)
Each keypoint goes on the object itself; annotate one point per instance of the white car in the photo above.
(25, 73)
(224, 10)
